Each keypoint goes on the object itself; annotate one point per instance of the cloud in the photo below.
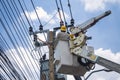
(108, 54)
(44, 16)
(97, 5)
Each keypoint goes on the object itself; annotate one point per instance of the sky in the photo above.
(105, 34)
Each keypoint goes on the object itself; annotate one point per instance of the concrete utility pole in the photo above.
(51, 55)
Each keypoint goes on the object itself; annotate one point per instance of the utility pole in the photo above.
(47, 66)
(51, 55)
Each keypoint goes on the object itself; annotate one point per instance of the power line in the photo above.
(11, 52)
(21, 20)
(2, 77)
(36, 12)
(6, 59)
(41, 26)
(106, 70)
(61, 21)
(11, 38)
(24, 12)
(11, 72)
(28, 13)
(5, 72)
(72, 20)
(50, 19)
(25, 24)
(63, 13)
(20, 40)
(28, 49)
(18, 37)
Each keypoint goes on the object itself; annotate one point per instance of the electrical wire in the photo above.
(50, 19)
(21, 6)
(6, 59)
(16, 41)
(21, 20)
(63, 13)
(26, 16)
(5, 71)
(69, 5)
(26, 45)
(106, 70)
(72, 20)
(41, 26)
(12, 41)
(2, 77)
(24, 12)
(61, 21)
(11, 72)
(36, 12)
(11, 52)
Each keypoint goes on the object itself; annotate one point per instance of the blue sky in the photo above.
(105, 34)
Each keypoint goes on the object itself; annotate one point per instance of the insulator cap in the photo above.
(72, 22)
(61, 23)
(40, 27)
(35, 37)
(30, 29)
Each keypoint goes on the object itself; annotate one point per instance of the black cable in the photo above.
(36, 12)
(61, 21)
(72, 20)
(41, 27)
(7, 62)
(6, 59)
(63, 13)
(25, 14)
(5, 72)
(69, 5)
(2, 77)
(25, 24)
(28, 13)
(106, 70)
(21, 20)
(23, 40)
(50, 19)
(15, 30)
(26, 44)
(77, 77)
(6, 65)
(4, 53)
(11, 38)
(8, 48)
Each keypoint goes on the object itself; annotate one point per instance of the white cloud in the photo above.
(108, 54)
(44, 16)
(96, 5)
